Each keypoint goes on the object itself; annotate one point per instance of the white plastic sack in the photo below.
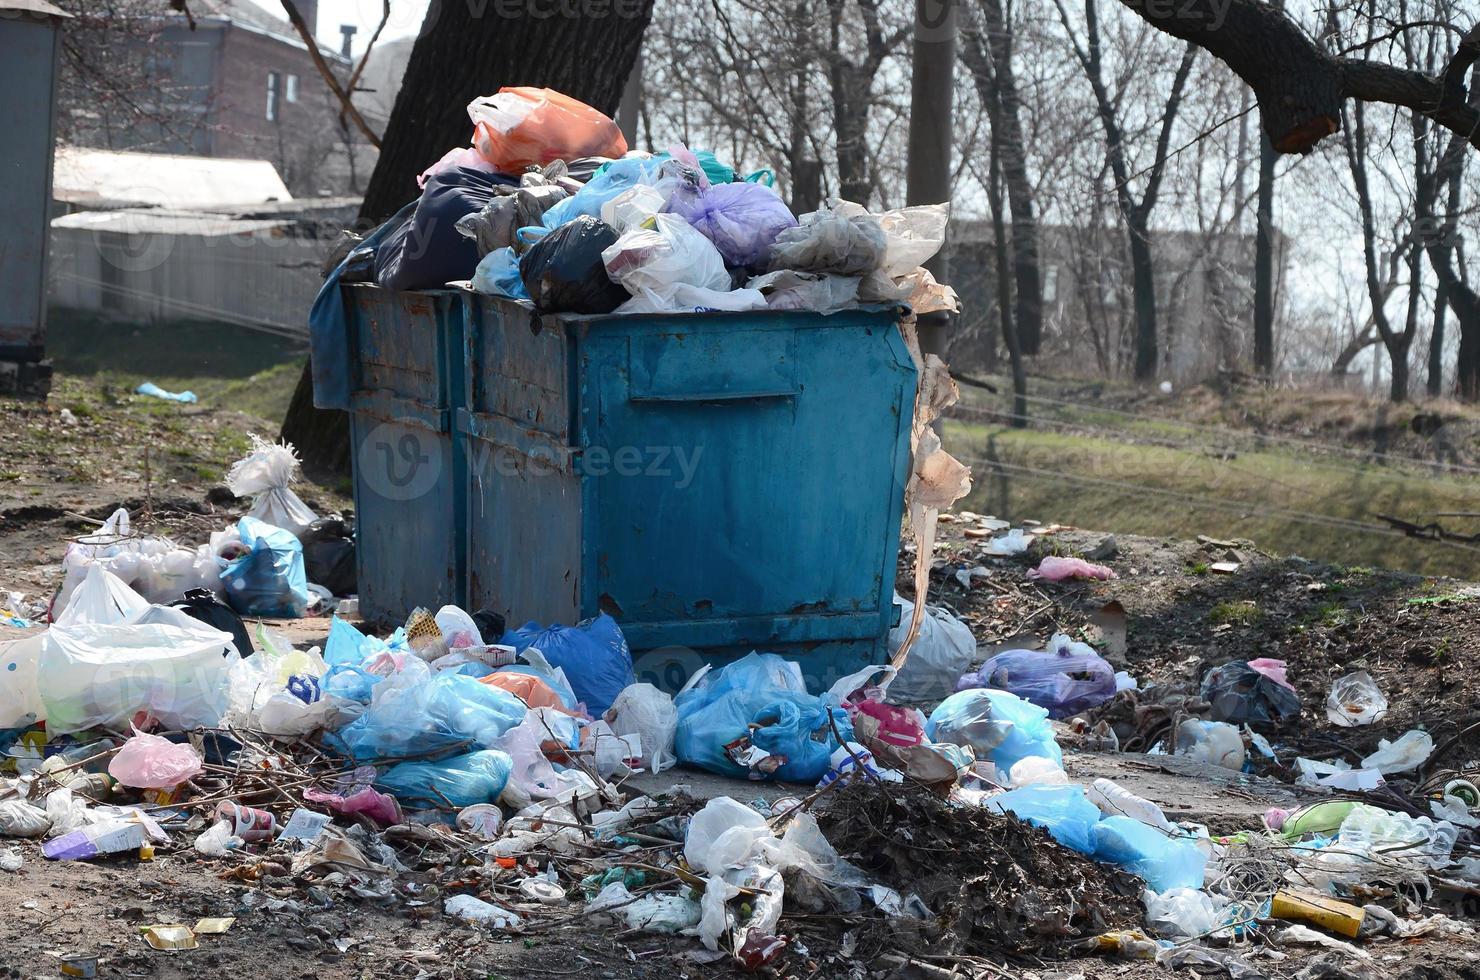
(92, 675)
(683, 298)
(911, 235)
(645, 711)
(788, 289)
(632, 207)
(101, 598)
(20, 819)
(663, 256)
(153, 567)
(943, 651)
(20, 698)
(723, 835)
(265, 474)
(1408, 752)
(1181, 913)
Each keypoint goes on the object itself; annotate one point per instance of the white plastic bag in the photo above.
(20, 819)
(265, 474)
(655, 260)
(723, 835)
(1214, 742)
(645, 711)
(632, 207)
(788, 289)
(102, 598)
(93, 675)
(1408, 752)
(20, 698)
(479, 912)
(943, 651)
(1355, 700)
(1181, 913)
(911, 235)
(683, 298)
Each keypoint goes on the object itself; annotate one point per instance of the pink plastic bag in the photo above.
(1056, 569)
(897, 726)
(1273, 669)
(353, 795)
(151, 762)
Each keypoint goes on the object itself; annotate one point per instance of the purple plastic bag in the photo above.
(1066, 678)
(742, 220)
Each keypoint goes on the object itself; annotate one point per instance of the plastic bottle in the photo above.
(1113, 799)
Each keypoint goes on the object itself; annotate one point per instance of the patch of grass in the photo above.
(1280, 499)
(1244, 612)
(1200, 568)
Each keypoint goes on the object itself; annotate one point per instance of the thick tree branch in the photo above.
(1300, 87)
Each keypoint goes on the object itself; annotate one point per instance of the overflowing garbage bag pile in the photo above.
(549, 206)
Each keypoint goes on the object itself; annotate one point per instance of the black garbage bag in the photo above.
(203, 605)
(1241, 694)
(563, 271)
(426, 250)
(329, 554)
(491, 626)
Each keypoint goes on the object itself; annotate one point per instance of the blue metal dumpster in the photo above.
(717, 482)
(406, 357)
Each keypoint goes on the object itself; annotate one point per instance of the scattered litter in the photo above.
(155, 391)
(1056, 569)
(170, 938)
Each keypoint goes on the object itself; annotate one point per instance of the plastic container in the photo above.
(1114, 799)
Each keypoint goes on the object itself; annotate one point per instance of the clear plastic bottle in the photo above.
(1112, 799)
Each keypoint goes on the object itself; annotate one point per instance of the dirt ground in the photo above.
(1416, 636)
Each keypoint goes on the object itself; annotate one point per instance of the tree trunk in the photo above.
(1264, 265)
(1025, 265)
(1435, 385)
(1004, 289)
(1143, 293)
(469, 48)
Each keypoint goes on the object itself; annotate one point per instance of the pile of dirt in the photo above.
(997, 886)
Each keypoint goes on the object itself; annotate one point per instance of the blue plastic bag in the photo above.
(998, 726)
(1064, 811)
(269, 580)
(498, 275)
(414, 713)
(742, 220)
(350, 682)
(1164, 862)
(594, 656)
(613, 179)
(760, 688)
(461, 781)
(1066, 678)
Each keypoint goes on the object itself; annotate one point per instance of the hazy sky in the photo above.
(405, 18)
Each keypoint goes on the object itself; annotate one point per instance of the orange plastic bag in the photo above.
(528, 688)
(522, 126)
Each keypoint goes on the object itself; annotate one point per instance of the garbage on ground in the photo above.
(1355, 700)
(1240, 692)
(155, 391)
(1066, 678)
(943, 649)
(1056, 569)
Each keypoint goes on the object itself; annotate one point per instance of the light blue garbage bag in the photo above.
(613, 179)
(1164, 862)
(594, 656)
(414, 712)
(498, 275)
(998, 726)
(463, 780)
(763, 689)
(1063, 810)
(269, 580)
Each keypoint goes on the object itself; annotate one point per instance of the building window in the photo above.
(292, 88)
(274, 93)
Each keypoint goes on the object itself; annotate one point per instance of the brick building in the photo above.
(242, 84)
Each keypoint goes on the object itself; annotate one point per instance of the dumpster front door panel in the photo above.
(745, 477)
(407, 491)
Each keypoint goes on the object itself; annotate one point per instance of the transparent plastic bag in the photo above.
(829, 240)
(724, 834)
(788, 289)
(632, 207)
(20, 695)
(1066, 678)
(1355, 700)
(523, 126)
(999, 726)
(742, 220)
(667, 254)
(614, 179)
